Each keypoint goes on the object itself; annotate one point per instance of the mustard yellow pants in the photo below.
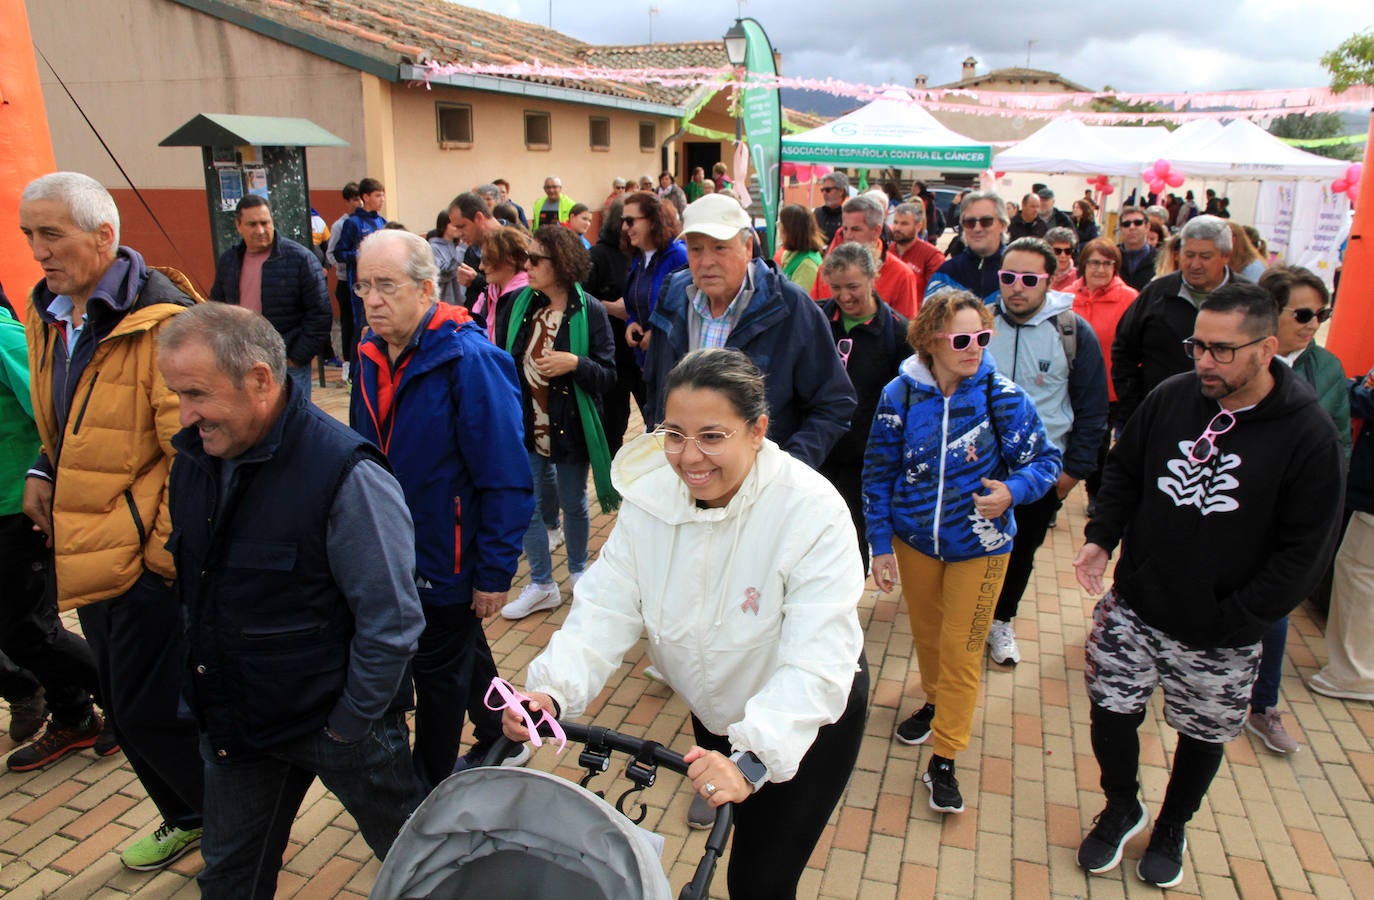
(950, 605)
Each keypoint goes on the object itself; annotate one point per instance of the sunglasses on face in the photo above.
(1030, 280)
(972, 222)
(962, 340)
(535, 259)
(1063, 251)
(1133, 223)
(1304, 316)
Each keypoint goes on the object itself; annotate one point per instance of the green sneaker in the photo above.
(161, 848)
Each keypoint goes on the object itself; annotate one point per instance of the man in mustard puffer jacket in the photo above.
(98, 490)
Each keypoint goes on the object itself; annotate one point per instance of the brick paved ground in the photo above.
(1271, 826)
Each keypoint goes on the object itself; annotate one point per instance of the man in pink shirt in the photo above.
(896, 283)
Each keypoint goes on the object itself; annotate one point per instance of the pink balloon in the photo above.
(820, 171)
(1162, 167)
(999, 174)
(1354, 172)
(1157, 186)
(804, 172)
(1174, 179)
(1108, 189)
(1353, 192)
(1340, 186)
(788, 168)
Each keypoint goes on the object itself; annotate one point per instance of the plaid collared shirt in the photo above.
(716, 331)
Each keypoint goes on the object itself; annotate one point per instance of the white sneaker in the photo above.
(343, 374)
(573, 579)
(654, 675)
(1002, 643)
(532, 599)
(555, 538)
(521, 757)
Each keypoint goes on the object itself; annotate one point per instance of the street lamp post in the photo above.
(737, 50)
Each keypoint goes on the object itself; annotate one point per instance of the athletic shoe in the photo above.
(555, 538)
(1002, 644)
(1162, 864)
(107, 743)
(916, 729)
(160, 849)
(334, 361)
(1322, 685)
(57, 741)
(573, 579)
(344, 374)
(27, 716)
(700, 815)
(532, 599)
(518, 755)
(944, 787)
(1112, 828)
(654, 675)
(1269, 726)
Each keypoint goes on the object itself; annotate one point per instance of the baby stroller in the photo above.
(498, 833)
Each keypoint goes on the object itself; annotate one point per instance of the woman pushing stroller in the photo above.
(741, 565)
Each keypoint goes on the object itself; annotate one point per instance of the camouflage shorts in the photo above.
(1206, 689)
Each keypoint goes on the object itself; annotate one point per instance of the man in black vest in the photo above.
(296, 553)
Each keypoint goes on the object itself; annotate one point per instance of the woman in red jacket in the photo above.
(1101, 297)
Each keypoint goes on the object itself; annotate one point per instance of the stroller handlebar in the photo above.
(647, 756)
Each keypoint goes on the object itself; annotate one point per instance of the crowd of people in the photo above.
(864, 403)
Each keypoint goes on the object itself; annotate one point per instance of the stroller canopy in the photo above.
(511, 832)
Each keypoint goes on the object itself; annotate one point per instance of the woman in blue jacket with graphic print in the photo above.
(954, 446)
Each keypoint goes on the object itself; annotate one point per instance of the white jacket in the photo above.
(750, 610)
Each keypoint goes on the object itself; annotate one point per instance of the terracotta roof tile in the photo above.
(418, 31)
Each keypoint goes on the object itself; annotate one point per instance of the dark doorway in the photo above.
(700, 154)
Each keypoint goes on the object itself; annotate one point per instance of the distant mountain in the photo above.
(818, 102)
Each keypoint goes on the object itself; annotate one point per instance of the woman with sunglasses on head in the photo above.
(738, 562)
(870, 337)
(565, 358)
(1304, 303)
(954, 446)
(1101, 296)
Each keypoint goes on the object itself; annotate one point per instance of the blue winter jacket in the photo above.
(453, 433)
(359, 224)
(968, 272)
(1360, 483)
(784, 332)
(294, 298)
(927, 456)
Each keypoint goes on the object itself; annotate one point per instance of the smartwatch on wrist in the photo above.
(753, 769)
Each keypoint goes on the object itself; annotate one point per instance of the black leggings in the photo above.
(1116, 744)
(778, 827)
(1032, 525)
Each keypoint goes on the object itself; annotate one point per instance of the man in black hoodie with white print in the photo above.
(1226, 489)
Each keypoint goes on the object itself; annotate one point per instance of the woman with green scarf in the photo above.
(564, 353)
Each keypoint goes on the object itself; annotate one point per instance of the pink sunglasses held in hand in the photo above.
(510, 698)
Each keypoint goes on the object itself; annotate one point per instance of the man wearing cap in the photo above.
(727, 299)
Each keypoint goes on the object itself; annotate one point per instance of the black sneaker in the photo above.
(517, 755)
(1112, 828)
(916, 729)
(57, 741)
(106, 743)
(944, 787)
(1162, 864)
(27, 716)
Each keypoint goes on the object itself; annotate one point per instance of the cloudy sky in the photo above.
(1154, 45)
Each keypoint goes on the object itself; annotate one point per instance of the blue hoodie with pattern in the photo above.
(928, 453)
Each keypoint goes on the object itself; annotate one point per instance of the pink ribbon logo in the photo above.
(751, 601)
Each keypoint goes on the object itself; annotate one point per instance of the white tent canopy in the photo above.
(1244, 151)
(1066, 146)
(890, 131)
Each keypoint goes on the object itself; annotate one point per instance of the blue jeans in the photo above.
(548, 495)
(1265, 694)
(577, 526)
(250, 803)
(301, 376)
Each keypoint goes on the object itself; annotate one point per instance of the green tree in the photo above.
(1321, 125)
(1352, 63)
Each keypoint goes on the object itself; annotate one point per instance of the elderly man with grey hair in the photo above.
(829, 215)
(1146, 348)
(726, 298)
(982, 222)
(443, 403)
(98, 490)
(863, 224)
(296, 558)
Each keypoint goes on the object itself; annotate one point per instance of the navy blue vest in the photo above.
(269, 629)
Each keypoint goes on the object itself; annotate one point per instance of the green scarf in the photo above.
(792, 265)
(579, 342)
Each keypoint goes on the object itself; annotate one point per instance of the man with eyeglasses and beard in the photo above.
(1145, 349)
(1137, 256)
(982, 220)
(1227, 486)
(1053, 355)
